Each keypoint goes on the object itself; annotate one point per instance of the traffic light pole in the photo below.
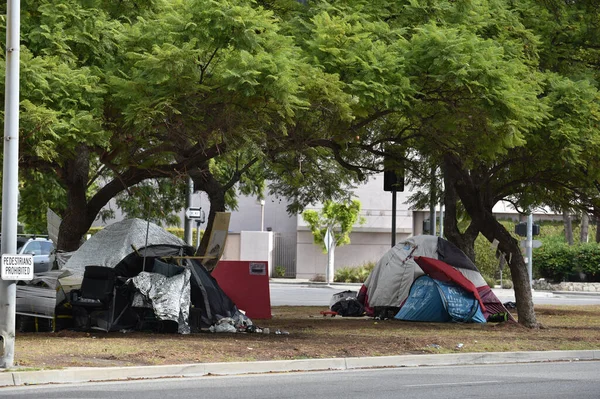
(393, 218)
(529, 247)
(10, 179)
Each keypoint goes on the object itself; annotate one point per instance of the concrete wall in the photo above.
(257, 245)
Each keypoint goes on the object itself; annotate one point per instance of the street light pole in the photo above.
(10, 178)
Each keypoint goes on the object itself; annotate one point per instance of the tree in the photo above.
(334, 222)
(186, 84)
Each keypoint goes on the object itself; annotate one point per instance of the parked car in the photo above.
(40, 248)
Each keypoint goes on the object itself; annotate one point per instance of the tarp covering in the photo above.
(390, 281)
(169, 296)
(114, 242)
(437, 301)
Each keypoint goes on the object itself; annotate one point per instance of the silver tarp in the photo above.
(113, 243)
(169, 296)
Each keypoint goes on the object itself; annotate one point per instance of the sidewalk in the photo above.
(94, 374)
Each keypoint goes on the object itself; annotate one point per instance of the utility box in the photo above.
(521, 229)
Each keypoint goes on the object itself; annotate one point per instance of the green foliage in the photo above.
(339, 217)
(485, 259)
(157, 201)
(490, 281)
(561, 262)
(354, 274)
(279, 271)
(507, 284)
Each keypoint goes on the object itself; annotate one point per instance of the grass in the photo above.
(311, 336)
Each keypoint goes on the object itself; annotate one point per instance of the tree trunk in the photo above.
(597, 230)
(216, 195)
(473, 198)
(75, 220)
(568, 227)
(585, 225)
(465, 241)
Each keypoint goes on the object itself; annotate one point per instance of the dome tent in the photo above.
(389, 285)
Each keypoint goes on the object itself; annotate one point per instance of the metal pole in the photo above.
(432, 217)
(443, 196)
(529, 246)
(441, 220)
(10, 176)
(198, 223)
(393, 218)
(188, 228)
(262, 215)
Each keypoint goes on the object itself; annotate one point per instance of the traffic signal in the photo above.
(393, 175)
(521, 229)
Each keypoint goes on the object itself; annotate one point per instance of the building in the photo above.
(293, 246)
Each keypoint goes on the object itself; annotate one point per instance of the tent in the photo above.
(389, 285)
(437, 301)
(162, 268)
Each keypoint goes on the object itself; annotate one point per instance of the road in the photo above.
(319, 295)
(535, 380)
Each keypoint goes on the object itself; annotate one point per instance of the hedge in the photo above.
(561, 262)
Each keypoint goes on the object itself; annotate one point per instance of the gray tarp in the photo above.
(113, 243)
(390, 281)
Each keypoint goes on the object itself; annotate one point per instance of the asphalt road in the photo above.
(534, 380)
(283, 294)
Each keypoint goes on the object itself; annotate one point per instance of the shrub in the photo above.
(558, 262)
(354, 274)
(485, 258)
(489, 281)
(344, 275)
(279, 271)
(507, 284)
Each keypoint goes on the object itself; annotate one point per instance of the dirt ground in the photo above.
(305, 333)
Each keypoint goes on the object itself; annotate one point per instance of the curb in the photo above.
(94, 374)
(576, 293)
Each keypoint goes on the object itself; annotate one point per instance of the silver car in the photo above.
(40, 248)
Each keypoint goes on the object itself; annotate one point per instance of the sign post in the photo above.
(330, 247)
(10, 177)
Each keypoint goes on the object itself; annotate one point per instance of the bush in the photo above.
(354, 274)
(507, 284)
(279, 271)
(558, 262)
(489, 281)
(344, 275)
(485, 259)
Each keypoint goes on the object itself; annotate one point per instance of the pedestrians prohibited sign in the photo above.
(17, 267)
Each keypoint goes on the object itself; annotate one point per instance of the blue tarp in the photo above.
(436, 301)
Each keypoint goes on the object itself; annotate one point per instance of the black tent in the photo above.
(141, 253)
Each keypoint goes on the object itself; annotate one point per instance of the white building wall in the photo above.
(364, 247)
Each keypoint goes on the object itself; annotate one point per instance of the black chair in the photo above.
(97, 287)
(95, 299)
